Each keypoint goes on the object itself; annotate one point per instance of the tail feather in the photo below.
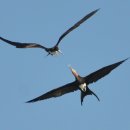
(88, 92)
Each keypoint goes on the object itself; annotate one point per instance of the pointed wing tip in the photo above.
(120, 62)
(97, 9)
(124, 60)
(31, 101)
(92, 13)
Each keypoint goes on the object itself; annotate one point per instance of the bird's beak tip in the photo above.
(60, 52)
(73, 72)
(69, 66)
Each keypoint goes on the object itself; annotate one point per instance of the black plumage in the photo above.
(55, 49)
(81, 83)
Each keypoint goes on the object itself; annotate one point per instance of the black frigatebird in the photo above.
(80, 83)
(55, 49)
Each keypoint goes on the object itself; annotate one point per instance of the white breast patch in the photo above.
(54, 53)
(83, 87)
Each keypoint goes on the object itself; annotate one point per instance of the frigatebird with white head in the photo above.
(80, 83)
(55, 49)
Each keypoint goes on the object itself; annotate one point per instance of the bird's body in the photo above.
(55, 49)
(80, 83)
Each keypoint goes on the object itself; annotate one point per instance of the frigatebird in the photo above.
(80, 83)
(55, 49)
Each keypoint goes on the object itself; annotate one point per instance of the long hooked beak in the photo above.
(76, 75)
(60, 52)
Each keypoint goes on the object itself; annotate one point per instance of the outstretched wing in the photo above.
(71, 87)
(23, 45)
(76, 25)
(93, 77)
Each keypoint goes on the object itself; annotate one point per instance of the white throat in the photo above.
(83, 87)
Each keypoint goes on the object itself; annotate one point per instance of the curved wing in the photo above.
(76, 25)
(93, 77)
(71, 87)
(23, 45)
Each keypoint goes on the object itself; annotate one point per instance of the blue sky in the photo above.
(27, 73)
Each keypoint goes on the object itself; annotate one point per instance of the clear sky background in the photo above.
(27, 73)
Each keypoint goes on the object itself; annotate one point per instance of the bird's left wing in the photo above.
(76, 25)
(70, 87)
(23, 45)
(93, 77)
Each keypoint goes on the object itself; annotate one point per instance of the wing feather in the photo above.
(76, 25)
(71, 87)
(93, 77)
(23, 45)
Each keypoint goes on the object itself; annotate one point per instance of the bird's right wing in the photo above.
(23, 45)
(70, 87)
(76, 25)
(93, 77)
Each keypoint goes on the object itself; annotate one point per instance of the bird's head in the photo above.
(54, 51)
(58, 50)
(76, 75)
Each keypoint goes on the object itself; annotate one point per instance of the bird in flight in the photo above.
(80, 83)
(55, 49)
